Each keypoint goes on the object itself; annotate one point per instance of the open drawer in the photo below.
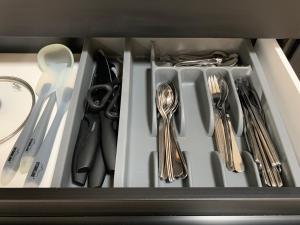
(135, 187)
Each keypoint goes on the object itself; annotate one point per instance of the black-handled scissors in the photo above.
(109, 101)
(103, 96)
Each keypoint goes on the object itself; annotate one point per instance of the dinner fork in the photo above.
(224, 134)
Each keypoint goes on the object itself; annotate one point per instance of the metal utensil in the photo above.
(257, 136)
(172, 164)
(223, 134)
(165, 99)
(216, 58)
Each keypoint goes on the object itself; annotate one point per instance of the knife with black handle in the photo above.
(108, 142)
(98, 171)
(85, 148)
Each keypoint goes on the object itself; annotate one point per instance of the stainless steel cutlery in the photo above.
(257, 136)
(223, 133)
(215, 58)
(172, 164)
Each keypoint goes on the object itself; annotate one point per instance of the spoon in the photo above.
(55, 59)
(63, 97)
(167, 103)
(164, 102)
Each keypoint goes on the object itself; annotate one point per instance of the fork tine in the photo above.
(217, 84)
(213, 84)
(209, 85)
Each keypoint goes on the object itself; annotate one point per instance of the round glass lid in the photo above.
(16, 101)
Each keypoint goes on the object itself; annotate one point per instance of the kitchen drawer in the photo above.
(137, 190)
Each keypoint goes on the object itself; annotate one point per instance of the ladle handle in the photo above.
(13, 161)
(37, 136)
(39, 165)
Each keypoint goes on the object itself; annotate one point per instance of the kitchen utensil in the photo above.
(219, 134)
(108, 134)
(79, 178)
(98, 171)
(39, 165)
(223, 134)
(44, 88)
(37, 136)
(238, 165)
(52, 59)
(109, 142)
(91, 128)
(257, 136)
(173, 164)
(179, 164)
(16, 89)
(164, 102)
(216, 58)
(104, 97)
(103, 106)
(60, 60)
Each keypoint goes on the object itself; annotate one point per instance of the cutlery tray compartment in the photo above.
(113, 48)
(137, 157)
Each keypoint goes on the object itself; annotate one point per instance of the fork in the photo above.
(219, 134)
(224, 134)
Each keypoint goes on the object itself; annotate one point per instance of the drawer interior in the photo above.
(137, 157)
(137, 162)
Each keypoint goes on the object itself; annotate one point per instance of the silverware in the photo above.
(224, 134)
(237, 159)
(216, 58)
(219, 134)
(257, 136)
(172, 164)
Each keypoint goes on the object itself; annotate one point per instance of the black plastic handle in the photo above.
(100, 102)
(109, 142)
(98, 171)
(111, 112)
(89, 144)
(80, 178)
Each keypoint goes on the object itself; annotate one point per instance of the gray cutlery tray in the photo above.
(137, 163)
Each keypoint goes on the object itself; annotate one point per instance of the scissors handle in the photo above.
(110, 112)
(100, 102)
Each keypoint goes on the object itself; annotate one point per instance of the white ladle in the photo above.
(63, 97)
(57, 59)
